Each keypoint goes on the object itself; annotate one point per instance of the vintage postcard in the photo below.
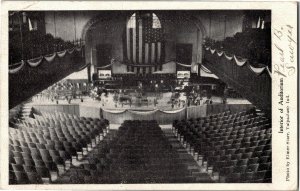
(154, 95)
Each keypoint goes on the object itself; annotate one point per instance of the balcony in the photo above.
(252, 82)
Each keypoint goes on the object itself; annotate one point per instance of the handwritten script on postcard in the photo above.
(284, 41)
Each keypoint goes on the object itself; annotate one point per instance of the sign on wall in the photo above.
(183, 74)
(104, 74)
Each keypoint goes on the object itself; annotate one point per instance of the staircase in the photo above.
(197, 171)
(25, 111)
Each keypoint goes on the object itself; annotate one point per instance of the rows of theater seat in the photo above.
(42, 148)
(138, 153)
(235, 146)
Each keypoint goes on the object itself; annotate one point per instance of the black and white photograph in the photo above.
(143, 96)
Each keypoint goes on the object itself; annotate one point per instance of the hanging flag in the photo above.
(144, 39)
(258, 23)
(30, 25)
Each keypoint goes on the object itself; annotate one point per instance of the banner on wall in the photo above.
(183, 74)
(104, 74)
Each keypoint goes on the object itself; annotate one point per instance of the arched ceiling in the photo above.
(164, 16)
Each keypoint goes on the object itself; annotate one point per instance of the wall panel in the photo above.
(69, 109)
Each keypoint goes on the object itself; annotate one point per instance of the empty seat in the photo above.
(21, 177)
(34, 178)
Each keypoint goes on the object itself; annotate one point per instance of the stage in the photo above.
(163, 101)
(116, 112)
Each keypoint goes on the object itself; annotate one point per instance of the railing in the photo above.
(34, 75)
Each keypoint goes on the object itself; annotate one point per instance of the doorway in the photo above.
(103, 54)
(184, 53)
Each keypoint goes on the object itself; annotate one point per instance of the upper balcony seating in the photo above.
(253, 44)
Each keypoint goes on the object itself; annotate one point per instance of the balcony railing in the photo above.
(253, 83)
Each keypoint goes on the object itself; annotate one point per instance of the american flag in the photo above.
(144, 39)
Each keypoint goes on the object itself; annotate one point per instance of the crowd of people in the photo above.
(253, 44)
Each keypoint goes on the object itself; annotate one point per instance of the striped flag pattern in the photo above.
(144, 39)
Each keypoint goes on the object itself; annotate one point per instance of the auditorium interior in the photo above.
(140, 97)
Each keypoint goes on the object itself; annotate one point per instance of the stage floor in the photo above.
(107, 102)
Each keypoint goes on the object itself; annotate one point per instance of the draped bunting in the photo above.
(146, 112)
(220, 53)
(70, 51)
(15, 70)
(228, 57)
(78, 49)
(62, 54)
(114, 111)
(184, 65)
(102, 67)
(212, 51)
(172, 111)
(35, 61)
(269, 71)
(257, 70)
(50, 57)
(143, 112)
(240, 62)
(162, 117)
(245, 79)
